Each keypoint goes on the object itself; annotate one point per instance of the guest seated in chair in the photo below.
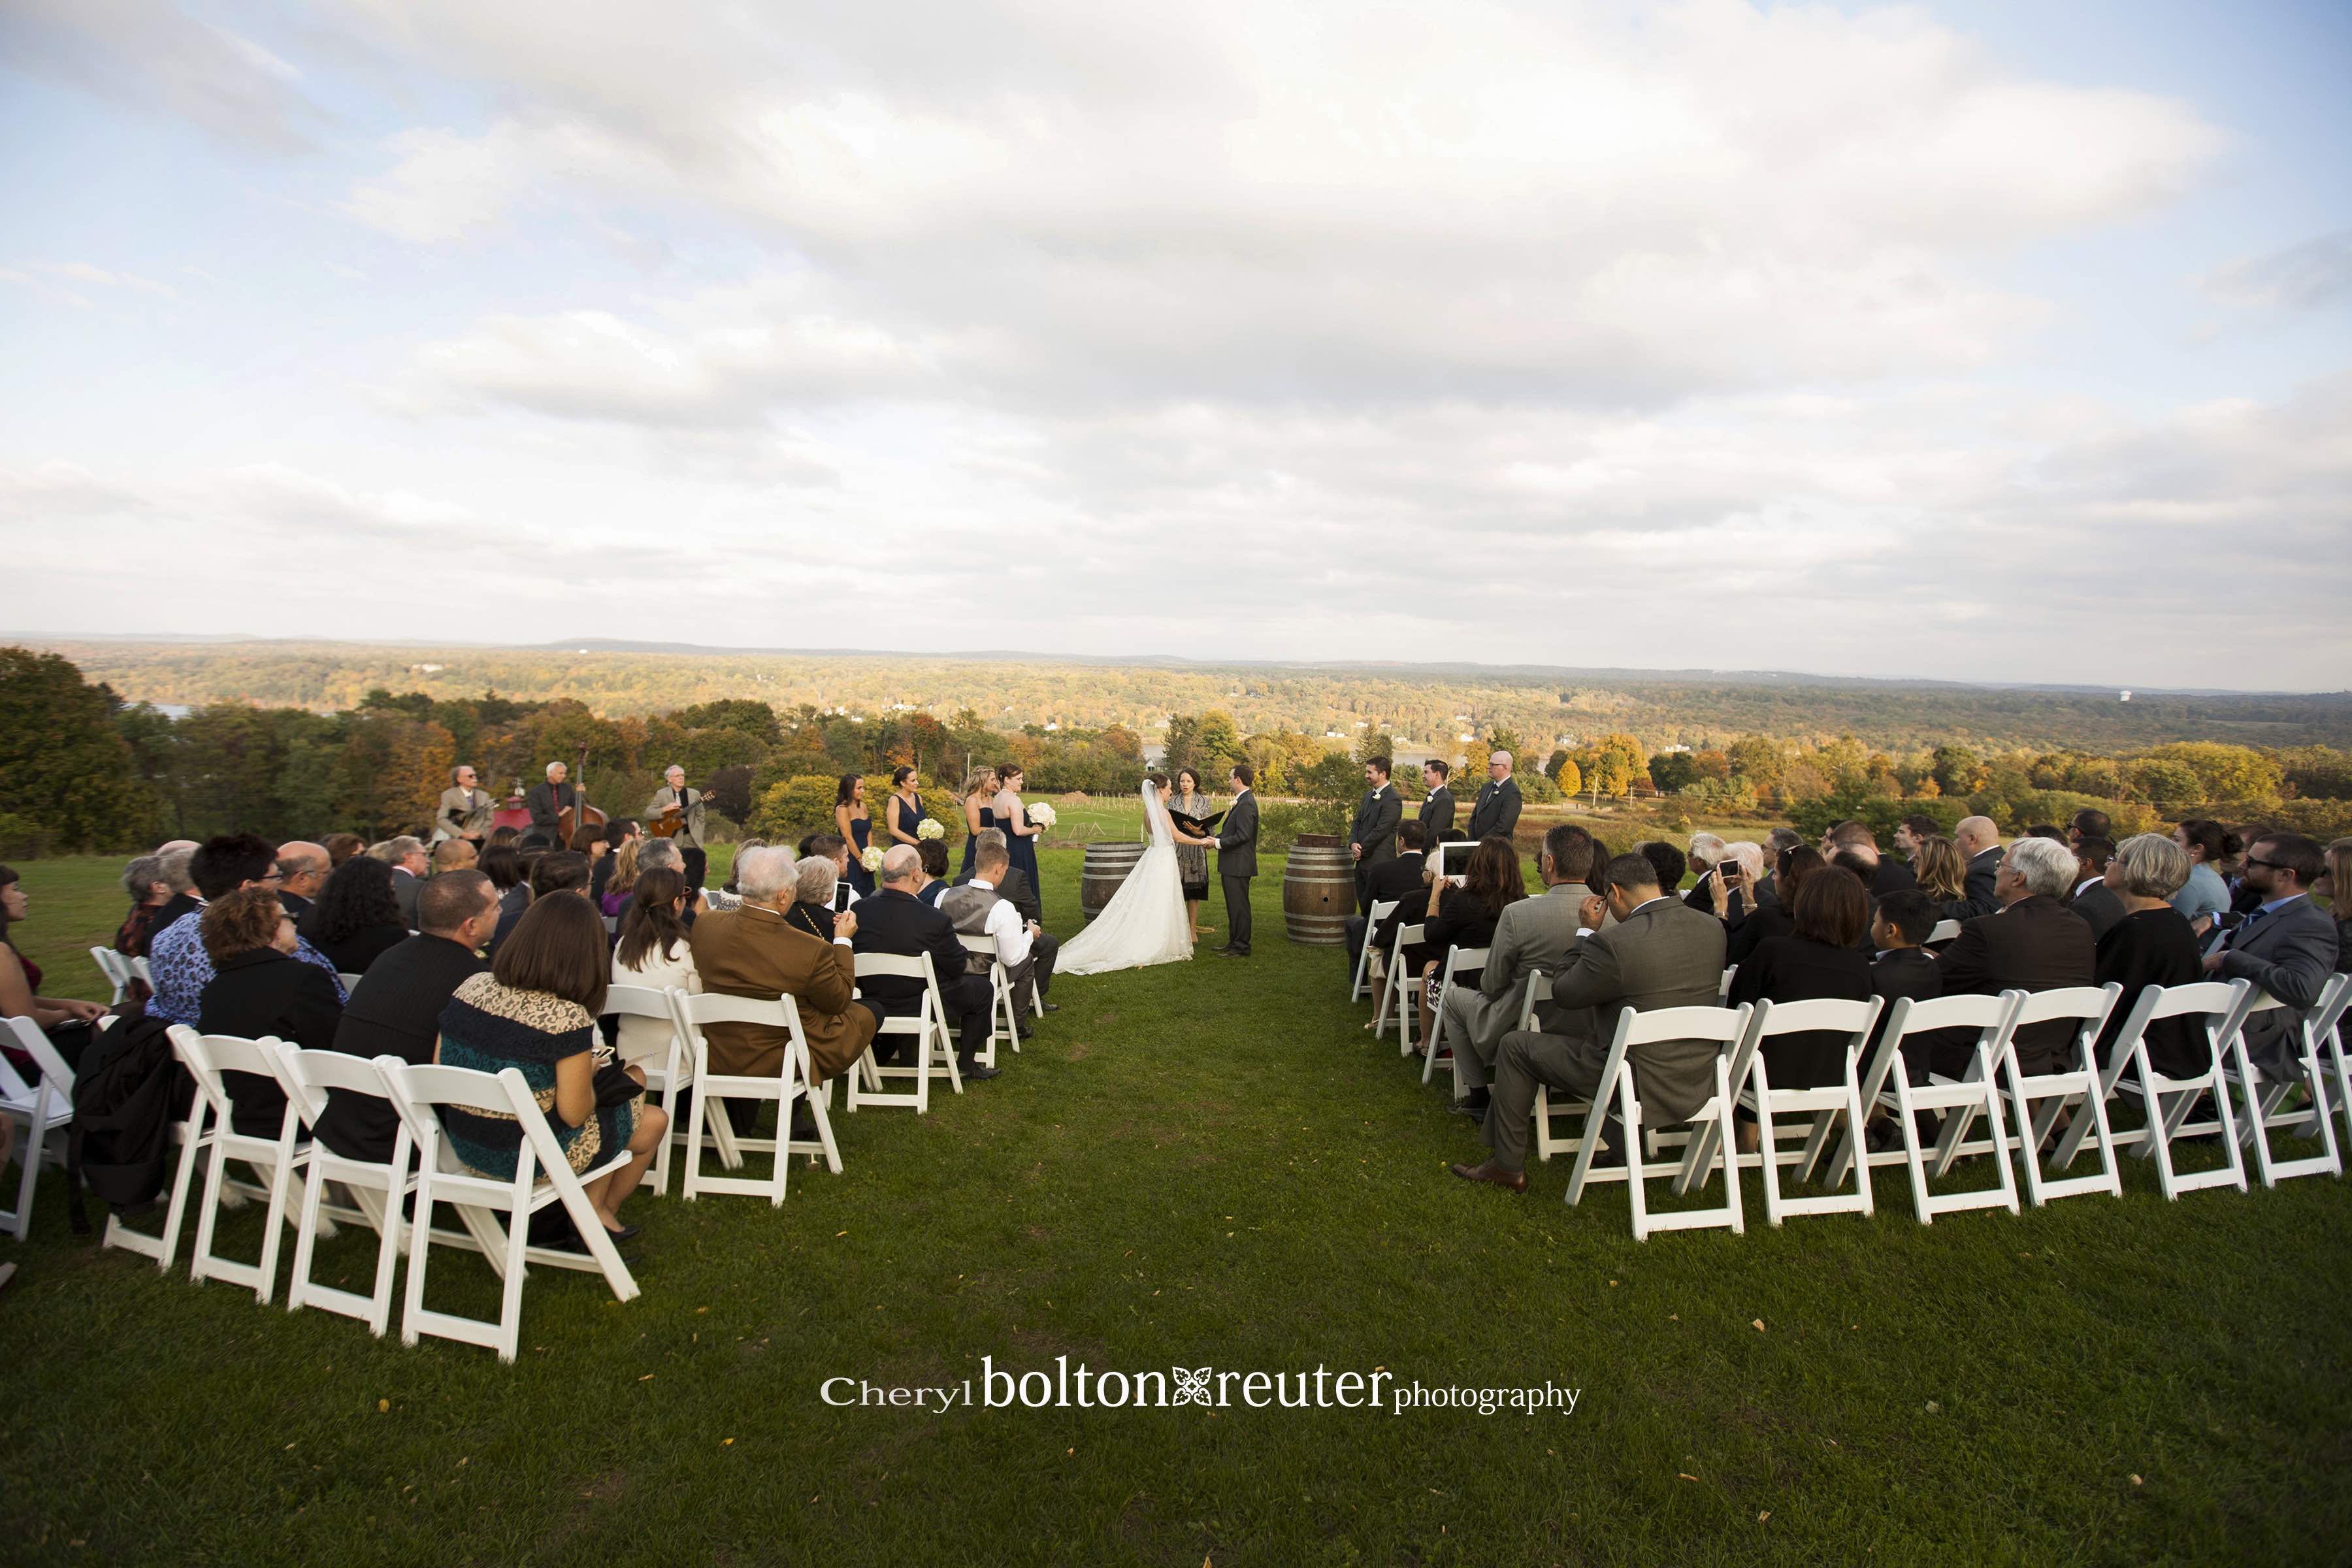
(755, 951)
(896, 921)
(1531, 934)
(2034, 943)
(1821, 958)
(1462, 916)
(357, 916)
(654, 951)
(398, 1012)
(1661, 954)
(258, 987)
(1398, 880)
(978, 910)
(536, 1011)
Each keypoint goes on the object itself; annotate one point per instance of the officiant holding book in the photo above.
(1189, 808)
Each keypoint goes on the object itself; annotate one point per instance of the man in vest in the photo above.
(978, 910)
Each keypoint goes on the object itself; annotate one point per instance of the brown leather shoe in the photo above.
(1493, 1175)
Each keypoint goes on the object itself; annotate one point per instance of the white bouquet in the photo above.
(931, 827)
(1041, 815)
(871, 858)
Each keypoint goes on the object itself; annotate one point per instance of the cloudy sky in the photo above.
(1989, 340)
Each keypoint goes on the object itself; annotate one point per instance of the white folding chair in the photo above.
(2327, 1038)
(349, 984)
(1400, 1000)
(114, 969)
(2054, 1092)
(664, 1079)
(1945, 931)
(2263, 1091)
(1458, 961)
(1000, 1005)
(1826, 1105)
(1381, 910)
(791, 1082)
(1887, 1086)
(934, 1051)
(190, 1135)
(139, 969)
(40, 1108)
(543, 1176)
(2165, 1102)
(377, 1189)
(1616, 1094)
(279, 1162)
(1723, 986)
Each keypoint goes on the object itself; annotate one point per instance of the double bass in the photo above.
(571, 819)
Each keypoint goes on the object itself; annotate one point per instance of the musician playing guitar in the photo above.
(676, 812)
(466, 810)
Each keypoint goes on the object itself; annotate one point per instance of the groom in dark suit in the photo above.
(1237, 861)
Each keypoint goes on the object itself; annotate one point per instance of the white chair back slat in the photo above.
(1401, 997)
(1459, 960)
(934, 1051)
(378, 1189)
(43, 1105)
(278, 1161)
(664, 1080)
(1381, 909)
(2037, 1100)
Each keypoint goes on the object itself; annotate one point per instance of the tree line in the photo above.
(81, 769)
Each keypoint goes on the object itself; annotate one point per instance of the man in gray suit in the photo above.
(1532, 934)
(1373, 837)
(1663, 953)
(2287, 946)
(1237, 861)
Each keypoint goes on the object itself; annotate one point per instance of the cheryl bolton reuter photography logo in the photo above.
(1080, 1387)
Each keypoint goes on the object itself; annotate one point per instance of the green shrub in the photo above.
(797, 806)
(1280, 823)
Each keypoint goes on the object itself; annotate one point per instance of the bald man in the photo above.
(304, 866)
(453, 854)
(1497, 809)
(1977, 839)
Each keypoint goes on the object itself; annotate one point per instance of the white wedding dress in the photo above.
(1144, 924)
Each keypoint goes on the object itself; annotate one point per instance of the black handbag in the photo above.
(614, 1086)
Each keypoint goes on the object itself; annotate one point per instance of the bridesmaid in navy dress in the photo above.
(903, 813)
(1020, 838)
(856, 825)
(979, 812)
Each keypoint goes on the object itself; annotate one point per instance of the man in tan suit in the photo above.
(751, 952)
(466, 809)
(691, 806)
(1661, 954)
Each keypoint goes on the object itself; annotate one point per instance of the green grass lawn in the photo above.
(1209, 1165)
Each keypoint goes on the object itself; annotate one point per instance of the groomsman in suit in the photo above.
(1372, 838)
(1237, 860)
(1437, 810)
(2286, 944)
(1497, 810)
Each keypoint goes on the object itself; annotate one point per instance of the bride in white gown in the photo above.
(1144, 924)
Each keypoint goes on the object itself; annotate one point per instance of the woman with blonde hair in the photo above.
(621, 887)
(1943, 872)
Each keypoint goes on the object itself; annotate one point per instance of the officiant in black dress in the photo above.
(1192, 860)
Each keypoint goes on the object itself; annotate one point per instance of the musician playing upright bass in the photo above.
(466, 810)
(676, 812)
(547, 802)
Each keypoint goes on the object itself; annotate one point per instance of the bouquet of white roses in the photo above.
(871, 858)
(931, 827)
(1041, 815)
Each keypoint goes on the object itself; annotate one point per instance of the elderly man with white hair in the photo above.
(755, 951)
(690, 806)
(893, 921)
(548, 802)
(1497, 809)
(2034, 944)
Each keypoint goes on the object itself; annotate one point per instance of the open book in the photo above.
(1198, 826)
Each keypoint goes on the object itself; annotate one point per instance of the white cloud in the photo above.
(2311, 275)
(148, 56)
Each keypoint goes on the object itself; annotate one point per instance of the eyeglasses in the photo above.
(2274, 865)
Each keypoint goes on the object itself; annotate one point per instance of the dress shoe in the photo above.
(978, 1074)
(1052, 1006)
(1493, 1176)
(626, 1233)
(1471, 1108)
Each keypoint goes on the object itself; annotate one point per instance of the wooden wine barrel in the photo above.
(1318, 890)
(1107, 865)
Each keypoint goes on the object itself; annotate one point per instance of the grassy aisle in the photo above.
(1209, 1165)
